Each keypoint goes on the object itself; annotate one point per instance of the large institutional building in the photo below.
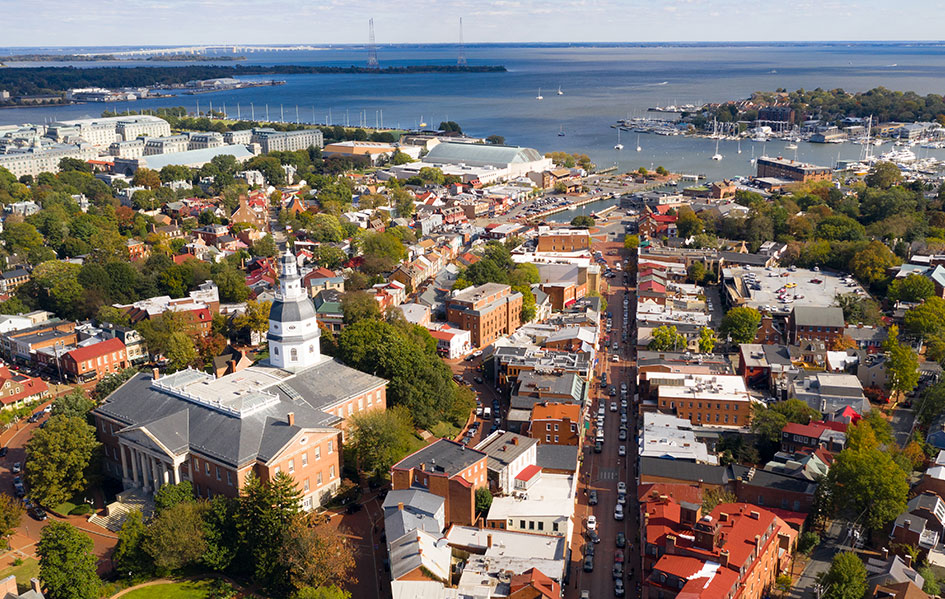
(285, 414)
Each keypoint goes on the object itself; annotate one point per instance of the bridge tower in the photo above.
(461, 61)
(372, 47)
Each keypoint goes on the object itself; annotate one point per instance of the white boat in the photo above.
(752, 161)
(791, 146)
(560, 93)
(561, 131)
(638, 144)
(539, 96)
(717, 156)
(619, 145)
(739, 146)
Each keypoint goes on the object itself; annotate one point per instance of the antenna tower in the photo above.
(461, 61)
(372, 47)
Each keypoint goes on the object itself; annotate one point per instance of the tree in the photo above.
(696, 272)
(318, 556)
(75, 403)
(265, 247)
(129, 557)
(768, 421)
(220, 534)
(265, 514)
(379, 438)
(687, 223)
(359, 305)
(450, 127)
(858, 309)
(57, 458)
(902, 364)
(21, 237)
(741, 324)
(329, 256)
(712, 497)
(883, 175)
(11, 512)
(666, 338)
(75, 164)
(398, 158)
(384, 245)
(67, 564)
(913, 288)
(808, 541)
(170, 495)
(255, 319)
(110, 382)
(933, 404)
(707, 340)
(927, 319)
(868, 481)
(169, 335)
(145, 177)
(870, 264)
(631, 242)
(846, 578)
(231, 284)
(329, 592)
(930, 586)
(175, 535)
(325, 228)
(496, 140)
(583, 221)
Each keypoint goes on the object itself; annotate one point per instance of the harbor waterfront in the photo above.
(599, 84)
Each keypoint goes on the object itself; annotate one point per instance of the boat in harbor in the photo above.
(717, 156)
(619, 145)
(560, 93)
(539, 96)
(561, 131)
(638, 144)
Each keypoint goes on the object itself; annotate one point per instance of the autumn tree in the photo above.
(318, 556)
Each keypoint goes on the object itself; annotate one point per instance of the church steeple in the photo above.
(293, 330)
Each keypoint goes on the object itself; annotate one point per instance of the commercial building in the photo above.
(782, 168)
(563, 240)
(286, 414)
(43, 158)
(93, 362)
(703, 399)
(171, 144)
(487, 311)
(830, 392)
(556, 424)
(543, 504)
(508, 455)
(807, 323)
(191, 158)
(669, 437)
(101, 132)
(270, 140)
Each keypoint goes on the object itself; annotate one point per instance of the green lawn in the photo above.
(173, 590)
(28, 569)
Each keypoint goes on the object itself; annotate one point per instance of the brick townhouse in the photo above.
(487, 311)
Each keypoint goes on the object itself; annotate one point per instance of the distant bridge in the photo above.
(233, 49)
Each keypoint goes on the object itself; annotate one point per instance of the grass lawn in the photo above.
(444, 430)
(173, 590)
(28, 569)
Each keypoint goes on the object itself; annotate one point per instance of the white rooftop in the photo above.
(676, 385)
(552, 495)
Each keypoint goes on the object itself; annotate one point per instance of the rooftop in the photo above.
(504, 447)
(552, 495)
(441, 456)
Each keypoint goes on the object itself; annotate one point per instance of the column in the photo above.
(124, 464)
(175, 472)
(155, 481)
(139, 482)
(165, 478)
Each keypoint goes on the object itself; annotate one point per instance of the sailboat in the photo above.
(739, 146)
(716, 156)
(422, 123)
(638, 144)
(539, 96)
(752, 161)
(619, 145)
(561, 131)
(791, 146)
(560, 93)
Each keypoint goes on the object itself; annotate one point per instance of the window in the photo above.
(318, 453)
(196, 464)
(293, 354)
(554, 526)
(207, 467)
(305, 485)
(556, 438)
(541, 525)
(229, 478)
(547, 427)
(305, 459)
(521, 524)
(531, 525)
(318, 479)
(331, 446)
(311, 348)
(360, 403)
(275, 348)
(556, 428)
(736, 419)
(547, 438)
(331, 472)
(277, 470)
(218, 473)
(291, 466)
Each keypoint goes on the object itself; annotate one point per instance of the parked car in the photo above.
(3, 452)
(478, 379)
(592, 498)
(589, 549)
(613, 406)
(621, 539)
(622, 450)
(622, 435)
(621, 487)
(621, 498)
(17, 467)
(592, 522)
(598, 446)
(618, 571)
(593, 537)
(38, 513)
(589, 563)
(619, 590)
(618, 512)
(618, 556)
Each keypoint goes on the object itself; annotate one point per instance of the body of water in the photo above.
(600, 84)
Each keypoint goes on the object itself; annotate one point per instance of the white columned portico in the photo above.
(124, 463)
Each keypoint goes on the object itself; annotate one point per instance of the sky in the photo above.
(56, 23)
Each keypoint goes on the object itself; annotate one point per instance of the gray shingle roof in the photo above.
(415, 500)
(557, 457)
(234, 440)
(818, 316)
(442, 455)
(688, 471)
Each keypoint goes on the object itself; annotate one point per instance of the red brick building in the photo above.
(815, 322)
(556, 424)
(93, 362)
(449, 470)
(487, 311)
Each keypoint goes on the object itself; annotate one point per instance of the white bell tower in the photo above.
(293, 330)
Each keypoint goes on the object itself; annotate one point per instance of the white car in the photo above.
(618, 512)
(621, 487)
(592, 523)
(622, 450)
(600, 411)
(613, 406)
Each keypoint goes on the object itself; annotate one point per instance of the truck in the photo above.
(487, 413)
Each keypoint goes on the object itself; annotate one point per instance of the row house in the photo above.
(91, 363)
(18, 389)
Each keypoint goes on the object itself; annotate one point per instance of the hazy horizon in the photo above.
(58, 23)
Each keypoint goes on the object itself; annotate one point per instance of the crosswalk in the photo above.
(607, 474)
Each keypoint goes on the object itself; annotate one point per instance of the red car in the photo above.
(618, 556)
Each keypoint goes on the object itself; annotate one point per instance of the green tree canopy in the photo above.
(666, 338)
(741, 324)
(846, 578)
(380, 438)
(913, 288)
(883, 175)
(57, 458)
(868, 481)
(67, 564)
(175, 535)
(583, 221)
(359, 305)
(130, 558)
(75, 403)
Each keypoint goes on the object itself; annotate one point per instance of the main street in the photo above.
(601, 472)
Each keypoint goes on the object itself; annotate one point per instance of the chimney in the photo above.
(35, 586)
(400, 506)
(423, 466)
(155, 373)
(290, 418)
(754, 515)
(723, 557)
(885, 553)
(489, 540)
(723, 517)
(757, 541)
(908, 560)
(232, 365)
(670, 543)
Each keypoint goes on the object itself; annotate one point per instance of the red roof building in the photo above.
(532, 584)
(93, 362)
(17, 388)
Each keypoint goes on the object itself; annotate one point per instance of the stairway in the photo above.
(117, 511)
